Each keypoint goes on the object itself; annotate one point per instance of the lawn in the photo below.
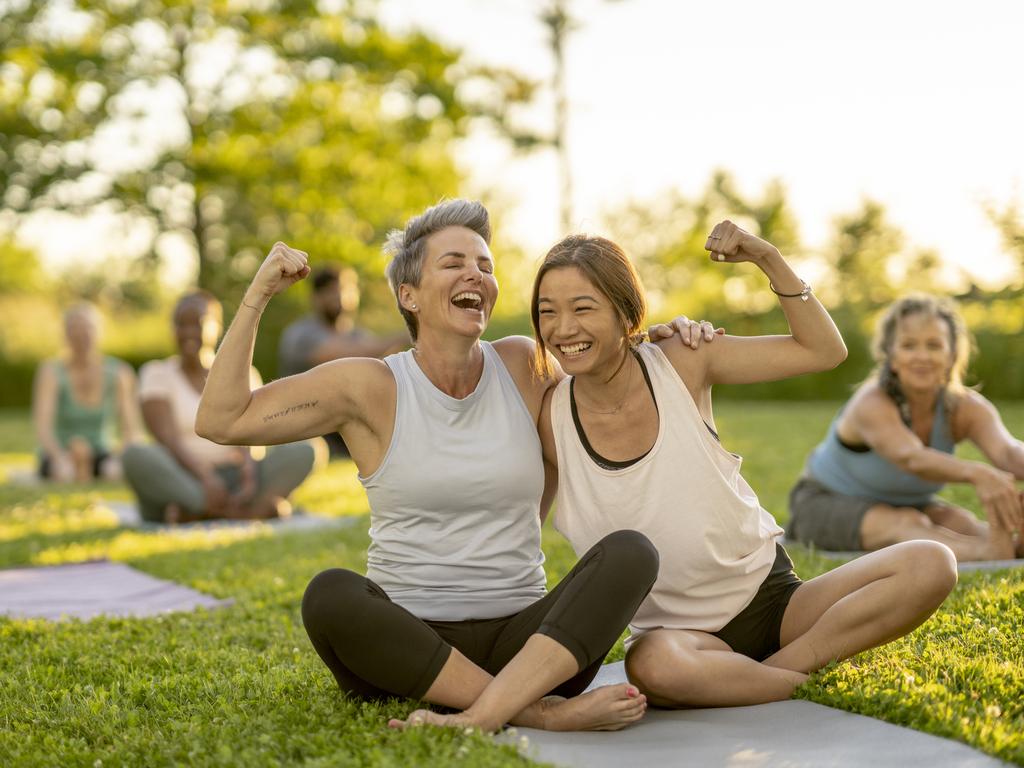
(242, 686)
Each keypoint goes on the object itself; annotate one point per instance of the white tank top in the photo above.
(454, 505)
(716, 542)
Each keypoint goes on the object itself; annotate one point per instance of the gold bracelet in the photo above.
(250, 306)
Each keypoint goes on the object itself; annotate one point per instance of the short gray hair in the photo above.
(406, 247)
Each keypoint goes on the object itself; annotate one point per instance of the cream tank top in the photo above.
(454, 505)
(716, 542)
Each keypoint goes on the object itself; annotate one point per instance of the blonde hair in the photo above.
(606, 265)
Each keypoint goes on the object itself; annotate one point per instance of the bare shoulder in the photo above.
(354, 371)
(868, 401)
(972, 409)
(516, 351)
(691, 364)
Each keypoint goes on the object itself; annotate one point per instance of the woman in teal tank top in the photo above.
(871, 482)
(78, 399)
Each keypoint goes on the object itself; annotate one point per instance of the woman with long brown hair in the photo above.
(631, 434)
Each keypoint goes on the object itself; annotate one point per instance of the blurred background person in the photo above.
(872, 481)
(77, 399)
(329, 332)
(183, 477)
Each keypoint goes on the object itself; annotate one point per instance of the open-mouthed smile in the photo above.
(574, 350)
(469, 300)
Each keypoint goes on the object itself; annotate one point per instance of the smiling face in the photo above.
(457, 289)
(579, 324)
(921, 354)
(196, 327)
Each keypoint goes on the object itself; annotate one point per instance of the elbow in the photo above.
(839, 355)
(911, 462)
(207, 428)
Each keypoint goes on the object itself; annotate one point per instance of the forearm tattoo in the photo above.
(291, 409)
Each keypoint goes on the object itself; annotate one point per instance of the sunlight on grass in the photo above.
(241, 685)
(133, 545)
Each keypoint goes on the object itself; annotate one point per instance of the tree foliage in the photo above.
(226, 125)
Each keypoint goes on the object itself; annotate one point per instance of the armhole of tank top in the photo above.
(398, 360)
(667, 364)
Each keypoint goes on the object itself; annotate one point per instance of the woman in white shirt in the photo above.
(184, 477)
(631, 435)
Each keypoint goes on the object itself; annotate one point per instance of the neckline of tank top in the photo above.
(938, 422)
(609, 465)
(443, 398)
(106, 379)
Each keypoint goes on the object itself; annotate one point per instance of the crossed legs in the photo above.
(553, 646)
(868, 602)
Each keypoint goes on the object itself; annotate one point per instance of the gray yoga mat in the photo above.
(964, 567)
(88, 590)
(785, 734)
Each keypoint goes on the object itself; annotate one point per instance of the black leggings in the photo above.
(375, 648)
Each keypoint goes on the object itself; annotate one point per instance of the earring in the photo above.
(414, 306)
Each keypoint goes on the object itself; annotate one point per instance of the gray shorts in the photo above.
(827, 519)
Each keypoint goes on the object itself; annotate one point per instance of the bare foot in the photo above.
(999, 544)
(426, 717)
(265, 507)
(608, 708)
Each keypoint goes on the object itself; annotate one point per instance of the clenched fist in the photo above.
(727, 242)
(282, 268)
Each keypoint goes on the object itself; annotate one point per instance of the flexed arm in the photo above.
(290, 409)
(814, 343)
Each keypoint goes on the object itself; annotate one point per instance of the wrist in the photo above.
(255, 300)
(977, 472)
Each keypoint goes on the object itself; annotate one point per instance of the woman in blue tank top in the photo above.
(872, 481)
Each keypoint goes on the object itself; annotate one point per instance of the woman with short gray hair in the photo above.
(453, 609)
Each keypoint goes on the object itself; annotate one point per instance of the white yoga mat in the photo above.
(786, 734)
(87, 590)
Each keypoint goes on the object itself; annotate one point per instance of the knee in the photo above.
(633, 552)
(132, 460)
(661, 673)
(929, 569)
(331, 594)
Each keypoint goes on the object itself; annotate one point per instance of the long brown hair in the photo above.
(606, 265)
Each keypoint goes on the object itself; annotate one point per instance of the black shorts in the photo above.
(754, 631)
(97, 463)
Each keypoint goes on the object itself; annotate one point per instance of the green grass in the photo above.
(242, 686)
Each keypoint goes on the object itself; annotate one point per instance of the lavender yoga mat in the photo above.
(87, 590)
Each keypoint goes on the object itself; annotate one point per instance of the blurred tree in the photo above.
(666, 236)
(1009, 222)
(19, 269)
(224, 126)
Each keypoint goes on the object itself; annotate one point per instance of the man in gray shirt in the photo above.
(329, 332)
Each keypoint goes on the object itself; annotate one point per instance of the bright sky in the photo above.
(915, 104)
